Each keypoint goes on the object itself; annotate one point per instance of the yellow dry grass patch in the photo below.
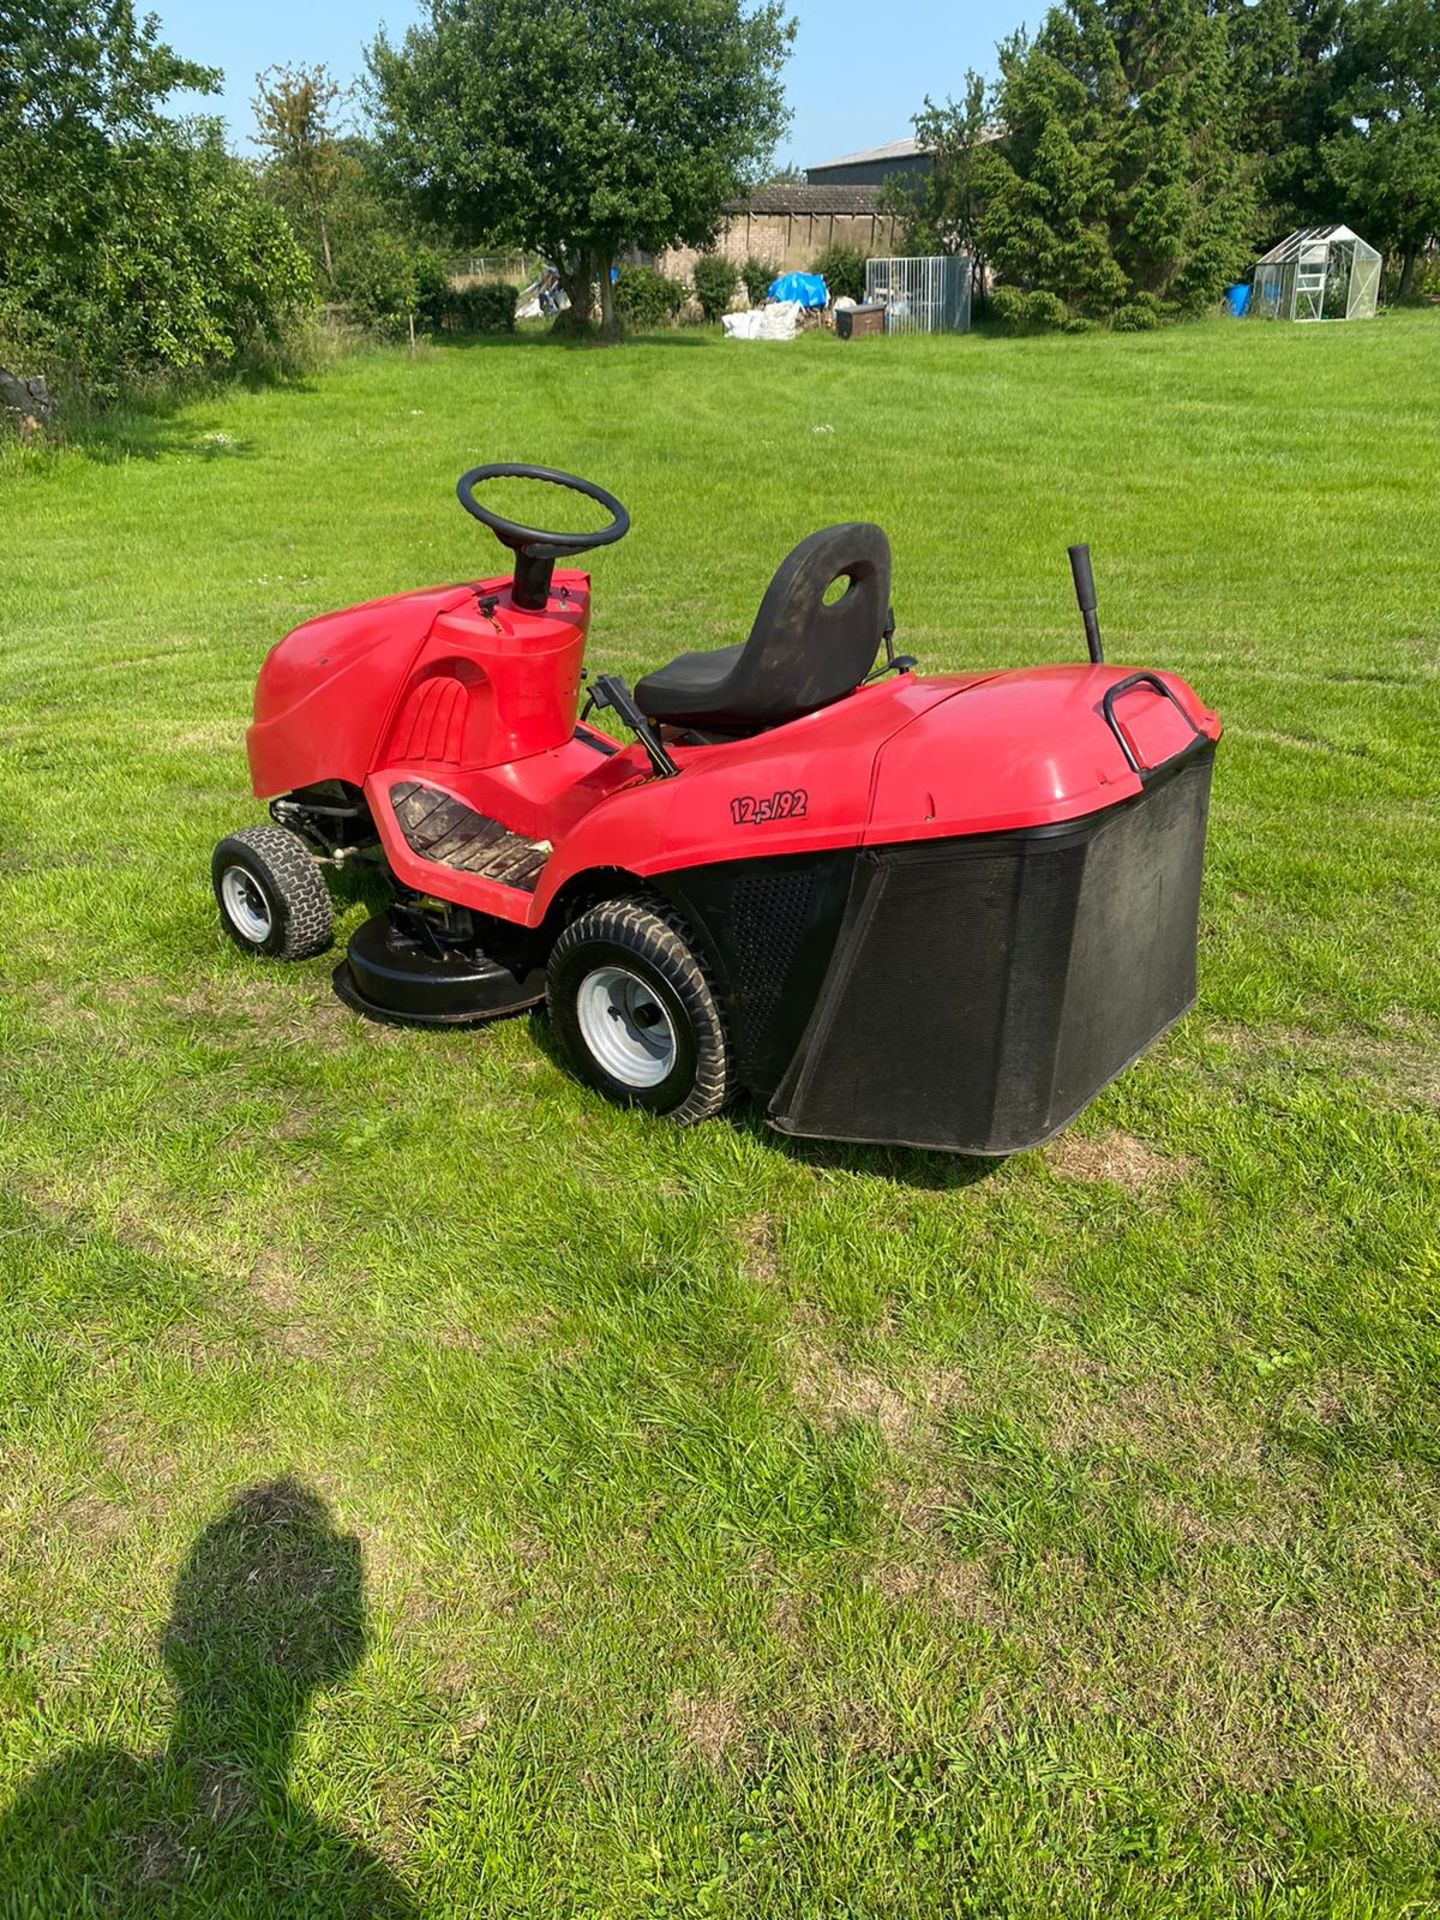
(1121, 1159)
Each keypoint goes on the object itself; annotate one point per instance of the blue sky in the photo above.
(859, 70)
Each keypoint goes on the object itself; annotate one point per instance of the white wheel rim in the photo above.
(245, 902)
(625, 1025)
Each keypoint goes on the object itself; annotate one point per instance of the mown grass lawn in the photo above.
(601, 1519)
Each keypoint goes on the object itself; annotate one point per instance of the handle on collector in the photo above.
(1144, 679)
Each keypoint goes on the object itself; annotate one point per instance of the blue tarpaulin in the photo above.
(1237, 298)
(807, 288)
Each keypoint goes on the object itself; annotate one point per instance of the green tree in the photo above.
(364, 244)
(1047, 222)
(1120, 175)
(296, 128)
(126, 240)
(578, 128)
(1282, 55)
(942, 209)
(76, 73)
(1185, 195)
(1385, 160)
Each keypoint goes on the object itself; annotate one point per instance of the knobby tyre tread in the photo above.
(648, 930)
(299, 897)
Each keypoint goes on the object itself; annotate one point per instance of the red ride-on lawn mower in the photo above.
(941, 911)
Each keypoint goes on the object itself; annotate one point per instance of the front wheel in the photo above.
(272, 897)
(634, 1011)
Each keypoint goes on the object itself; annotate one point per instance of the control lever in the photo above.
(608, 690)
(893, 662)
(1084, 579)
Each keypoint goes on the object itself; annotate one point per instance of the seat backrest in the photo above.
(803, 654)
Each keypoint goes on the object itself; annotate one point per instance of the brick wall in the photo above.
(788, 241)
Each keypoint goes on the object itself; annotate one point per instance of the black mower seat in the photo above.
(801, 655)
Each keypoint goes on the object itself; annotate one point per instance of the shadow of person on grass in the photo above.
(268, 1609)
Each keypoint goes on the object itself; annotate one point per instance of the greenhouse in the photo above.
(1318, 273)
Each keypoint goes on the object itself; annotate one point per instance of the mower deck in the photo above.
(395, 971)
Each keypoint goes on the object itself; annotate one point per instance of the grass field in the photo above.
(427, 1490)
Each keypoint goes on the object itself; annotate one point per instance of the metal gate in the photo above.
(922, 295)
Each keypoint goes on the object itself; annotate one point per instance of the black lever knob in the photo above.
(1084, 577)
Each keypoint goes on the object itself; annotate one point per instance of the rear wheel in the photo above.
(634, 1010)
(272, 897)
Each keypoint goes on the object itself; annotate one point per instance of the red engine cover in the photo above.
(457, 676)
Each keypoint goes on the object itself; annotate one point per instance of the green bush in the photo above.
(132, 246)
(646, 298)
(1047, 312)
(715, 279)
(377, 282)
(757, 275)
(433, 292)
(843, 271)
(1037, 312)
(1140, 315)
(1424, 284)
(170, 262)
(382, 283)
(488, 307)
(1041, 311)
(1009, 305)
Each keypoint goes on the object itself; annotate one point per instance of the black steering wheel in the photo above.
(535, 549)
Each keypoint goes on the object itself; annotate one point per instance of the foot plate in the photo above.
(440, 828)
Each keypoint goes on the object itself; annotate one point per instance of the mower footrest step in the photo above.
(438, 827)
